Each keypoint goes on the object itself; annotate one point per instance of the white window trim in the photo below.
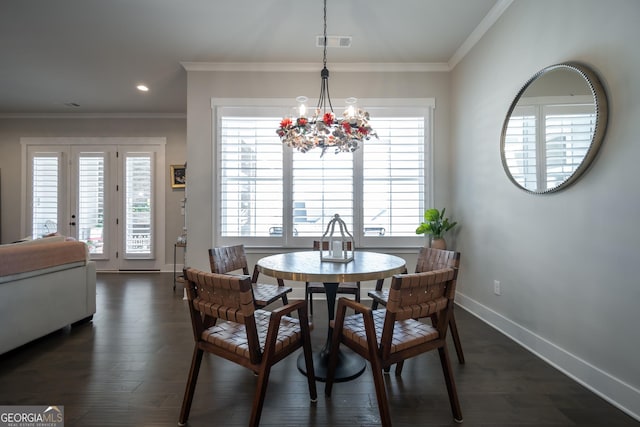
(285, 105)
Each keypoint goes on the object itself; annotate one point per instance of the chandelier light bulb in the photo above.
(351, 105)
(302, 106)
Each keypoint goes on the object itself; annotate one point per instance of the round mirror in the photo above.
(554, 128)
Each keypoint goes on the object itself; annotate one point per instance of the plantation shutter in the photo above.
(138, 214)
(394, 177)
(91, 188)
(46, 180)
(322, 187)
(568, 131)
(250, 175)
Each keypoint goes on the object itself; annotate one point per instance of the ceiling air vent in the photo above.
(334, 41)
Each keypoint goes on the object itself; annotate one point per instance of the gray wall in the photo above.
(568, 261)
(203, 86)
(12, 129)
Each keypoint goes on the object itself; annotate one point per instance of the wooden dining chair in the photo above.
(226, 323)
(227, 259)
(428, 259)
(311, 288)
(389, 336)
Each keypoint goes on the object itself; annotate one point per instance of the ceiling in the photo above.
(93, 53)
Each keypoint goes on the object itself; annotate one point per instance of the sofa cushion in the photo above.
(43, 240)
(20, 258)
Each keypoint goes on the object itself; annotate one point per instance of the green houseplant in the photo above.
(435, 224)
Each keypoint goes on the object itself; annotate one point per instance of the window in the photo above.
(546, 142)
(138, 193)
(91, 192)
(271, 195)
(45, 194)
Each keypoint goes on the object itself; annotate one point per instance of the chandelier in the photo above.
(322, 128)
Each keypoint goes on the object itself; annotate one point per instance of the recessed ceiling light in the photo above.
(142, 88)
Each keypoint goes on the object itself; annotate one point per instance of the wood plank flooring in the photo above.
(128, 367)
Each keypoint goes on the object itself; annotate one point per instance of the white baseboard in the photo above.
(612, 389)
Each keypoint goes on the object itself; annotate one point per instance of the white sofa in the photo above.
(44, 286)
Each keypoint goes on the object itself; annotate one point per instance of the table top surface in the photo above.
(306, 266)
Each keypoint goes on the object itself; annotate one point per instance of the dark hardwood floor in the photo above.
(129, 368)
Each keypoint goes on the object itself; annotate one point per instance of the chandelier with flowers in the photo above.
(322, 128)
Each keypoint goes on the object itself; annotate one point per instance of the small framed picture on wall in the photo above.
(178, 176)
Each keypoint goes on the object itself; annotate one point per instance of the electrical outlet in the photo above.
(496, 287)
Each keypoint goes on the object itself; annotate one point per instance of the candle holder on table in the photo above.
(340, 246)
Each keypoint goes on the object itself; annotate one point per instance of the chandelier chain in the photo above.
(322, 128)
(324, 74)
(324, 60)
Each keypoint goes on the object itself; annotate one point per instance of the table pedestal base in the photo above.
(350, 365)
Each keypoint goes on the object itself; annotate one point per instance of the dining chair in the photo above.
(311, 288)
(390, 335)
(428, 259)
(227, 324)
(227, 259)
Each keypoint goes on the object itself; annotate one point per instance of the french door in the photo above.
(107, 195)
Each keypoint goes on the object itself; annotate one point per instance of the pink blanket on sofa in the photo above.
(16, 259)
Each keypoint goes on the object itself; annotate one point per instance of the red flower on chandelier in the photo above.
(328, 119)
(324, 130)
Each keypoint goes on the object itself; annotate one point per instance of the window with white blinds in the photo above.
(546, 143)
(322, 187)
(568, 132)
(394, 177)
(138, 194)
(90, 221)
(251, 177)
(44, 201)
(269, 194)
(520, 146)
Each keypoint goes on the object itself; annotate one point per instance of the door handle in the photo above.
(72, 223)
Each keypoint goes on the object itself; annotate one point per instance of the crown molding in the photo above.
(355, 67)
(487, 22)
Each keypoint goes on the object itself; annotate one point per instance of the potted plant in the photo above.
(435, 224)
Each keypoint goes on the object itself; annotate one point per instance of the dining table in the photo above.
(307, 266)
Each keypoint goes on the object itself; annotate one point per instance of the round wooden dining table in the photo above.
(306, 266)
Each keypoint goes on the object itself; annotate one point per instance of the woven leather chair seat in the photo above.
(228, 259)
(233, 336)
(381, 296)
(406, 333)
(264, 294)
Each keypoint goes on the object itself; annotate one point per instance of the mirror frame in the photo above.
(602, 115)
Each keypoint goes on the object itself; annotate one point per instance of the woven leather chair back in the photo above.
(434, 259)
(220, 296)
(419, 295)
(225, 259)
